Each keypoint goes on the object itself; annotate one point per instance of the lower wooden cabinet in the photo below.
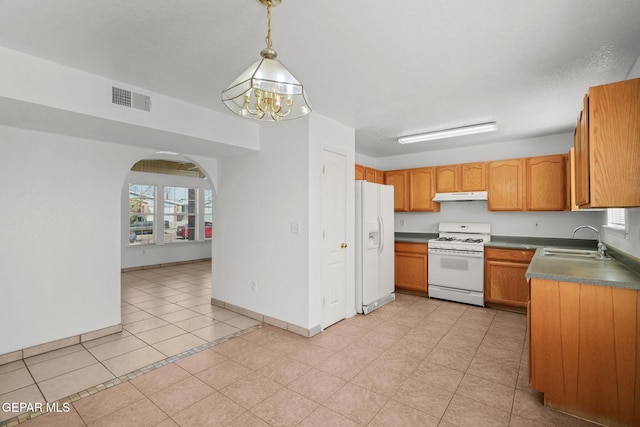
(411, 267)
(584, 350)
(504, 281)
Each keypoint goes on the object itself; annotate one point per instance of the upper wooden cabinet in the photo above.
(413, 189)
(545, 183)
(369, 174)
(447, 179)
(528, 184)
(506, 185)
(473, 176)
(607, 147)
(464, 177)
(400, 181)
(422, 188)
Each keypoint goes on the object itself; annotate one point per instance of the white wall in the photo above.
(42, 95)
(531, 224)
(60, 246)
(260, 195)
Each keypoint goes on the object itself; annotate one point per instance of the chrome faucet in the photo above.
(602, 248)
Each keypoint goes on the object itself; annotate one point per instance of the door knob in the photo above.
(343, 245)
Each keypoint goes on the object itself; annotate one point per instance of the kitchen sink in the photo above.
(573, 253)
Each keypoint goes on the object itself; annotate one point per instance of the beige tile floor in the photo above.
(413, 362)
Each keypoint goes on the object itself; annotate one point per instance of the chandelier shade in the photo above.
(267, 90)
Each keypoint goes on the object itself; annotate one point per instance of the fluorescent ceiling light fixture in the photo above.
(449, 133)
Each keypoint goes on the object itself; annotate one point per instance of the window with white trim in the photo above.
(180, 214)
(142, 201)
(208, 213)
(616, 217)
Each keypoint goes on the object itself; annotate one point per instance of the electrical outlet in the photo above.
(254, 285)
(295, 227)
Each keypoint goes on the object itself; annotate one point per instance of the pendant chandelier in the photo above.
(267, 90)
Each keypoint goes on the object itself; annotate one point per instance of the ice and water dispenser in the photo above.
(373, 233)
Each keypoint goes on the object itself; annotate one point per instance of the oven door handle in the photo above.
(458, 254)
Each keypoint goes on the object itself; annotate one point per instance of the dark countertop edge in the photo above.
(635, 285)
(402, 237)
(584, 280)
(532, 243)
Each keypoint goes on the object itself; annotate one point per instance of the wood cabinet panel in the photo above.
(411, 267)
(607, 146)
(369, 174)
(462, 177)
(422, 187)
(581, 141)
(447, 179)
(400, 181)
(504, 281)
(506, 185)
(473, 177)
(585, 349)
(545, 183)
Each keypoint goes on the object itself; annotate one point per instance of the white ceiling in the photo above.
(385, 68)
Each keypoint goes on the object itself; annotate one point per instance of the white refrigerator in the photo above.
(374, 246)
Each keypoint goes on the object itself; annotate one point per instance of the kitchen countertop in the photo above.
(621, 271)
(414, 237)
(590, 271)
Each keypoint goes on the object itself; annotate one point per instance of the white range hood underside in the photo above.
(460, 196)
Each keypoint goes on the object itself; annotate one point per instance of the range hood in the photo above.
(460, 196)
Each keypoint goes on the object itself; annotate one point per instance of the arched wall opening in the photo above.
(167, 212)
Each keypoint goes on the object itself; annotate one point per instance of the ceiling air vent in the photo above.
(130, 99)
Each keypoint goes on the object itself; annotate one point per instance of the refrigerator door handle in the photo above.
(381, 245)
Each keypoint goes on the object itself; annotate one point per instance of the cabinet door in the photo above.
(581, 145)
(506, 185)
(422, 188)
(504, 281)
(411, 267)
(447, 179)
(399, 180)
(614, 144)
(370, 175)
(473, 177)
(545, 188)
(360, 172)
(379, 177)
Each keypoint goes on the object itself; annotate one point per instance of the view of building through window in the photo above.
(141, 213)
(187, 214)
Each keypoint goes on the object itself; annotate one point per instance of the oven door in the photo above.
(456, 269)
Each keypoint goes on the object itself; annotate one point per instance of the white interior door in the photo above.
(334, 231)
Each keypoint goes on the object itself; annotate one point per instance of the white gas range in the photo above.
(456, 262)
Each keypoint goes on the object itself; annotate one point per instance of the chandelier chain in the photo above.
(268, 39)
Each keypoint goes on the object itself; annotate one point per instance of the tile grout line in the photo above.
(127, 377)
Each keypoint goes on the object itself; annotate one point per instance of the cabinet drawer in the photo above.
(413, 248)
(509, 254)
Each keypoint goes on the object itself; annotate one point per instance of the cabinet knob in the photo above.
(343, 245)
